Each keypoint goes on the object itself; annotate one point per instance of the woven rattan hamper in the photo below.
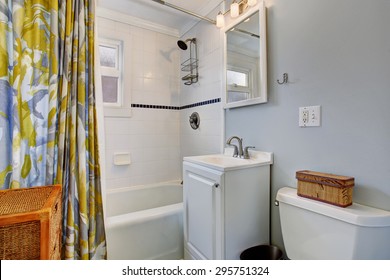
(30, 223)
(325, 187)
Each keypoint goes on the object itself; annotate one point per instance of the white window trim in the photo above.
(109, 30)
(114, 72)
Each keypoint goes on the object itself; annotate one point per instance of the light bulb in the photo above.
(252, 2)
(220, 20)
(234, 10)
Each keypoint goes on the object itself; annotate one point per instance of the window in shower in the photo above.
(114, 53)
(111, 57)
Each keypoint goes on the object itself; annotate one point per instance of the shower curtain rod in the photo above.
(184, 11)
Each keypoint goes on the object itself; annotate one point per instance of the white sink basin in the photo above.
(226, 161)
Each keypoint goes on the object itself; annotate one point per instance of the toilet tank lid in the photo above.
(356, 214)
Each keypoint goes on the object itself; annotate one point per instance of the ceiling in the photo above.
(164, 15)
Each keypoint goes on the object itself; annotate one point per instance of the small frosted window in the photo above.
(234, 96)
(112, 71)
(111, 57)
(235, 78)
(108, 56)
(110, 89)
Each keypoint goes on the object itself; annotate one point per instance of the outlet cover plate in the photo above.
(310, 116)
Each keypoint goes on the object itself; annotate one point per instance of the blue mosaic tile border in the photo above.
(207, 102)
(149, 106)
(163, 107)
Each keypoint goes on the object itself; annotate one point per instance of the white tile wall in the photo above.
(208, 138)
(157, 139)
(150, 136)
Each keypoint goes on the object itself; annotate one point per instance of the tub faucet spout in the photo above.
(238, 152)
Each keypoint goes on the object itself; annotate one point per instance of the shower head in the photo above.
(183, 44)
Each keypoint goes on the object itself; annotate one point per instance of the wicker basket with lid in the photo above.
(30, 223)
(325, 187)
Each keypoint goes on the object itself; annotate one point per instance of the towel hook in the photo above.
(285, 79)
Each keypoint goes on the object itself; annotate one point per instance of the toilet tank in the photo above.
(317, 230)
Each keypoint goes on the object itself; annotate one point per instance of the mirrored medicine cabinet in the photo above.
(245, 58)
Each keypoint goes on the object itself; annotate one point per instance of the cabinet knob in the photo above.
(216, 185)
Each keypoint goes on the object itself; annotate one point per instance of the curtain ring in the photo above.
(285, 79)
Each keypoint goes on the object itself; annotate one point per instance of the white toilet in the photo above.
(316, 230)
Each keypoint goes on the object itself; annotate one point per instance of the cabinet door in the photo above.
(202, 204)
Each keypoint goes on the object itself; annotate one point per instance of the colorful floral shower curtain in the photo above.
(48, 123)
(28, 92)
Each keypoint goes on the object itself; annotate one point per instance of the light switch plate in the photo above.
(310, 116)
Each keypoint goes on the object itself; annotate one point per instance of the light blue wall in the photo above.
(337, 55)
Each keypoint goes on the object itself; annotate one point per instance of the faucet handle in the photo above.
(246, 152)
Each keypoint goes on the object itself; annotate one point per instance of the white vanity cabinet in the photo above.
(226, 206)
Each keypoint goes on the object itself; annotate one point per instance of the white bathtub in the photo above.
(145, 222)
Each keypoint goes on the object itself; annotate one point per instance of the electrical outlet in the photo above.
(310, 116)
(305, 116)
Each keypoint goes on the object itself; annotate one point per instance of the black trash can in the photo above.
(262, 252)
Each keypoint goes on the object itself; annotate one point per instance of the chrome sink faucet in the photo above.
(239, 151)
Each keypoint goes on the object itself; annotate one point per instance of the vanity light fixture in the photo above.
(220, 20)
(252, 2)
(235, 10)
